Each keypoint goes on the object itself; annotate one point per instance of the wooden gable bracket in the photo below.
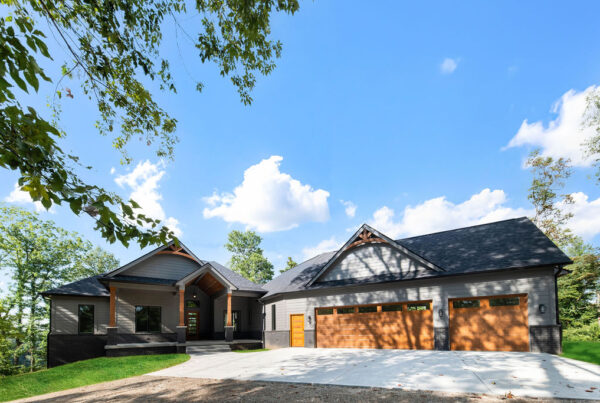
(365, 236)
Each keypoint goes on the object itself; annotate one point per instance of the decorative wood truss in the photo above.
(364, 237)
(176, 250)
(208, 283)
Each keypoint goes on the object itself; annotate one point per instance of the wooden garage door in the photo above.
(406, 325)
(498, 323)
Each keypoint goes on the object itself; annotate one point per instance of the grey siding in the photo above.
(372, 260)
(163, 266)
(65, 311)
(537, 283)
(250, 311)
(127, 299)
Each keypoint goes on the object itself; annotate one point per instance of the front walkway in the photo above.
(493, 373)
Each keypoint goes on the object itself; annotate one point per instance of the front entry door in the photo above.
(297, 330)
(192, 325)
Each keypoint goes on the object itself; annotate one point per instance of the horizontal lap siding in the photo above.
(127, 299)
(249, 308)
(65, 314)
(537, 283)
(163, 266)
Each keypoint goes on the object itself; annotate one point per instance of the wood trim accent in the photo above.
(177, 253)
(112, 318)
(209, 284)
(365, 237)
(229, 309)
(181, 307)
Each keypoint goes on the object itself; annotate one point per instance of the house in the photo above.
(485, 287)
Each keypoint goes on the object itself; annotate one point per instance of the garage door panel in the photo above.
(490, 328)
(397, 329)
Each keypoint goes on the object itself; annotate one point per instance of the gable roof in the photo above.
(509, 244)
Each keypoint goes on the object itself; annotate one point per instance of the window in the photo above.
(391, 308)
(190, 303)
(273, 315)
(506, 301)
(325, 311)
(367, 309)
(86, 319)
(466, 303)
(342, 311)
(235, 320)
(147, 319)
(421, 306)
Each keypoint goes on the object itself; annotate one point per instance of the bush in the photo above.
(584, 333)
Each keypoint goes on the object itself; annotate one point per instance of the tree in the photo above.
(577, 290)
(290, 265)
(114, 51)
(592, 118)
(544, 193)
(38, 256)
(247, 257)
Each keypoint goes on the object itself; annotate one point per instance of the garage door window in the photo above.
(325, 311)
(466, 303)
(423, 306)
(506, 301)
(367, 309)
(342, 311)
(392, 308)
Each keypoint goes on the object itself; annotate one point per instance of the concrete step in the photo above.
(208, 349)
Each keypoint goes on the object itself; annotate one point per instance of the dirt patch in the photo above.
(166, 389)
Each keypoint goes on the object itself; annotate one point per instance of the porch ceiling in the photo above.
(209, 284)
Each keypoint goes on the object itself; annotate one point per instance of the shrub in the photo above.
(589, 332)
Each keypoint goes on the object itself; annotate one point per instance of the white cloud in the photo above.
(269, 200)
(586, 216)
(112, 170)
(349, 208)
(19, 196)
(326, 245)
(449, 65)
(564, 136)
(439, 214)
(144, 184)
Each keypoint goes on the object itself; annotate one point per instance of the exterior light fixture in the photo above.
(194, 296)
(309, 319)
(441, 313)
(542, 308)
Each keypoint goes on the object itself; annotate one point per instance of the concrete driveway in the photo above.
(493, 373)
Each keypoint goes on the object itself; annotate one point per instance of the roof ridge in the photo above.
(460, 228)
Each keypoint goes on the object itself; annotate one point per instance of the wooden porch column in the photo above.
(112, 320)
(229, 309)
(181, 307)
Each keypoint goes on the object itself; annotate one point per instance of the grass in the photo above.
(256, 350)
(582, 350)
(84, 373)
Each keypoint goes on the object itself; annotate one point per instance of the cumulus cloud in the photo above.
(269, 200)
(440, 214)
(143, 182)
(349, 208)
(19, 196)
(449, 65)
(326, 245)
(586, 215)
(563, 136)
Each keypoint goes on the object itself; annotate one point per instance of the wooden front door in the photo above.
(405, 325)
(297, 330)
(192, 324)
(498, 323)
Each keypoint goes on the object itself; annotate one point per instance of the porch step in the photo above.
(210, 349)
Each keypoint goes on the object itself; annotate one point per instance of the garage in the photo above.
(496, 323)
(402, 325)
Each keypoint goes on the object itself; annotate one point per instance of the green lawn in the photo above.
(84, 373)
(256, 350)
(582, 350)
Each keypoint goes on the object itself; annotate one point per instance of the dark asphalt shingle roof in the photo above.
(509, 244)
(89, 286)
(242, 283)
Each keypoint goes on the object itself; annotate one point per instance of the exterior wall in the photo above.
(66, 348)
(163, 266)
(65, 314)
(250, 313)
(127, 299)
(537, 283)
(372, 260)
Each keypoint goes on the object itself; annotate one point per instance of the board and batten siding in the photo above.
(538, 283)
(127, 299)
(171, 267)
(65, 312)
(372, 260)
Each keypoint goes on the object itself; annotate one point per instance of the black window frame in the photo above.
(466, 303)
(324, 311)
(414, 306)
(148, 308)
(79, 318)
(237, 324)
(273, 317)
(345, 310)
(367, 309)
(504, 301)
(392, 308)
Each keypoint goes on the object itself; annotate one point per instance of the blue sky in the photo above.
(405, 110)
